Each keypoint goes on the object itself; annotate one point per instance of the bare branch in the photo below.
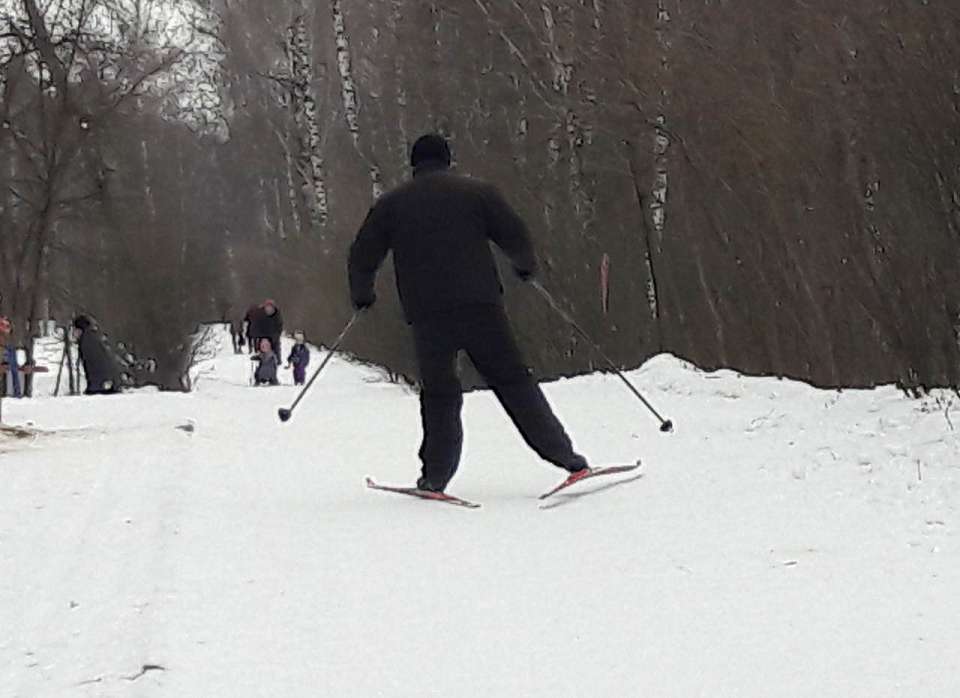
(67, 201)
(133, 89)
(26, 41)
(284, 80)
(31, 152)
(23, 198)
(55, 14)
(45, 46)
(82, 17)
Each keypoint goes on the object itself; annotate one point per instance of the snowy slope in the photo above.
(784, 541)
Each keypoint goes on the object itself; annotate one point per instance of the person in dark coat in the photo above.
(266, 322)
(298, 359)
(236, 334)
(439, 227)
(8, 362)
(247, 327)
(267, 364)
(102, 372)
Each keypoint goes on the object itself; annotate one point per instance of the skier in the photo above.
(439, 227)
(103, 375)
(299, 358)
(267, 364)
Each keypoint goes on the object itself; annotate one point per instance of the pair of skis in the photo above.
(574, 479)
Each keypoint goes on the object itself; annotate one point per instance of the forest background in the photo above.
(772, 186)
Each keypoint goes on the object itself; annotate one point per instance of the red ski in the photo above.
(580, 476)
(423, 494)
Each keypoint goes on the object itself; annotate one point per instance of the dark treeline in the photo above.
(772, 187)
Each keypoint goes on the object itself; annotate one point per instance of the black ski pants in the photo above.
(484, 333)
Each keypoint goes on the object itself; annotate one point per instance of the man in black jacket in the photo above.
(439, 227)
(102, 372)
(265, 322)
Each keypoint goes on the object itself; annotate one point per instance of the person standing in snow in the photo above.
(299, 358)
(265, 322)
(439, 227)
(267, 364)
(236, 334)
(8, 361)
(102, 372)
(247, 328)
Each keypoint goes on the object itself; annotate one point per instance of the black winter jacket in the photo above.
(99, 366)
(439, 227)
(263, 325)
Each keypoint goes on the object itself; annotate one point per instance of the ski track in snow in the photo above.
(784, 541)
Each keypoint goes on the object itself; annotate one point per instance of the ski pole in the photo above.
(285, 413)
(665, 424)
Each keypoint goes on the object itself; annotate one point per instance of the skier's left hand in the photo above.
(525, 274)
(364, 302)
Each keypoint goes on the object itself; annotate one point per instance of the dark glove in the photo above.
(364, 302)
(525, 274)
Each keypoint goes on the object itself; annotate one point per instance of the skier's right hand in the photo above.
(364, 302)
(525, 274)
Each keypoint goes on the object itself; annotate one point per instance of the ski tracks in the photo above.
(88, 553)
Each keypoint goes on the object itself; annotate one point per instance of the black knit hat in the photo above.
(431, 147)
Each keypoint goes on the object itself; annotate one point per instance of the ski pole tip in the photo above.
(666, 427)
(284, 414)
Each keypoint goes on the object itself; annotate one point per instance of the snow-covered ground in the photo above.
(785, 541)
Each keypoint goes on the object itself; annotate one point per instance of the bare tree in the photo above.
(772, 188)
(69, 68)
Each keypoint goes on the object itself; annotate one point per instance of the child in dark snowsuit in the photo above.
(266, 373)
(299, 358)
